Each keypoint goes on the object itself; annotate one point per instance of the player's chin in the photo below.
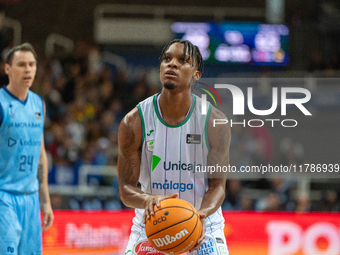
(28, 84)
(169, 86)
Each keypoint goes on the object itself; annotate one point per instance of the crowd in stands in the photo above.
(319, 64)
(87, 94)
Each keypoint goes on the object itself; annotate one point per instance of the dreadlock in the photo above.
(193, 51)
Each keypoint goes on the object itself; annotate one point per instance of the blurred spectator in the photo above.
(233, 195)
(317, 62)
(116, 107)
(3, 75)
(281, 187)
(81, 109)
(101, 154)
(55, 107)
(109, 123)
(330, 202)
(246, 203)
(74, 82)
(92, 203)
(75, 203)
(106, 87)
(4, 34)
(139, 93)
(75, 130)
(291, 152)
(303, 203)
(272, 203)
(264, 149)
(60, 145)
(56, 201)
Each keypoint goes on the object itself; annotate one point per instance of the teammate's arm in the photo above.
(129, 159)
(219, 141)
(44, 196)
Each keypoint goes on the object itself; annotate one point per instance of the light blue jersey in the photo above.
(21, 132)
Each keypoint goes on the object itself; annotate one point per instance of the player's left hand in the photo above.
(152, 201)
(48, 216)
(200, 240)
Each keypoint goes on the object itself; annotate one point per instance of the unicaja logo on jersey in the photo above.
(169, 165)
(154, 162)
(166, 240)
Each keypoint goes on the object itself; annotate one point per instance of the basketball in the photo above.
(175, 226)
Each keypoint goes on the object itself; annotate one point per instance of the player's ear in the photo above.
(197, 75)
(7, 66)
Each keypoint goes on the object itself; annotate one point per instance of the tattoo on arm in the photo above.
(220, 153)
(219, 139)
(129, 159)
(40, 173)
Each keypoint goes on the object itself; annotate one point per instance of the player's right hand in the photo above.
(151, 202)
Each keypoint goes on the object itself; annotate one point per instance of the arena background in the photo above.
(92, 71)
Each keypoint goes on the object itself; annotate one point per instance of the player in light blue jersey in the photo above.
(23, 161)
(170, 128)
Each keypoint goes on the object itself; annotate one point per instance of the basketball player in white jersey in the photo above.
(162, 140)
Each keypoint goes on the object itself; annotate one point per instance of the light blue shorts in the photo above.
(20, 224)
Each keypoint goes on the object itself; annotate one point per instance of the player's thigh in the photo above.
(10, 228)
(139, 245)
(31, 237)
(214, 244)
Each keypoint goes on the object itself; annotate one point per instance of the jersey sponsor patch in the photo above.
(193, 139)
(38, 115)
(223, 250)
(219, 240)
(150, 145)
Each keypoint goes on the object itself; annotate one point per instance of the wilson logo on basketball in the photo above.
(145, 248)
(160, 242)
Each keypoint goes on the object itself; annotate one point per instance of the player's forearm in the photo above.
(213, 199)
(128, 174)
(132, 196)
(43, 179)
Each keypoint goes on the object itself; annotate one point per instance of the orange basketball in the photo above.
(175, 226)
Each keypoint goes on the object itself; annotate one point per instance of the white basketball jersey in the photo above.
(170, 154)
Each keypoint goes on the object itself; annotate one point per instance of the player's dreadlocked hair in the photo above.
(193, 51)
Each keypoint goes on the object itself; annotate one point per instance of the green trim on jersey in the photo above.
(175, 126)
(180, 160)
(211, 233)
(206, 128)
(143, 124)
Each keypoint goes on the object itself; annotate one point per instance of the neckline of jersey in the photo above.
(159, 115)
(15, 97)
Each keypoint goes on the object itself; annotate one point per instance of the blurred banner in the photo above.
(246, 232)
(83, 232)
